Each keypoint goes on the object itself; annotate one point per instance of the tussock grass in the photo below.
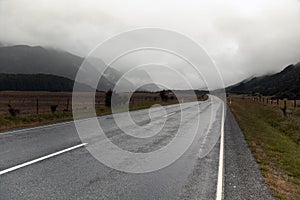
(275, 142)
(8, 122)
(25, 102)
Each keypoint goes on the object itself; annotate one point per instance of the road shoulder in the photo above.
(243, 179)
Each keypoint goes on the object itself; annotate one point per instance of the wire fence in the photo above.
(29, 103)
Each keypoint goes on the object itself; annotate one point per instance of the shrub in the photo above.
(53, 108)
(108, 96)
(163, 95)
(12, 111)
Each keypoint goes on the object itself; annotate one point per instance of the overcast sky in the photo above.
(244, 38)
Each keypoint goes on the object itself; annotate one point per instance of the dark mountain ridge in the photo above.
(23, 59)
(285, 84)
(31, 60)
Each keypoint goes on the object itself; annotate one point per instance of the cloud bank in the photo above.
(244, 38)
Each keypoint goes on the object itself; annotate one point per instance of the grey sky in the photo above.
(243, 37)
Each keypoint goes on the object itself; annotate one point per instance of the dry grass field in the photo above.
(274, 140)
(27, 102)
(34, 108)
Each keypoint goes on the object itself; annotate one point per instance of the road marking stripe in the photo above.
(41, 158)
(219, 194)
(170, 114)
(45, 126)
(35, 127)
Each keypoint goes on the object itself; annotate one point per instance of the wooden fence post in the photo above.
(37, 105)
(68, 104)
(284, 107)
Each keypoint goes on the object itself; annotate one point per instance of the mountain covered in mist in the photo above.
(285, 84)
(33, 60)
(23, 59)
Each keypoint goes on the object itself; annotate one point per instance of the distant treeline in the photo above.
(36, 82)
(177, 91)
(53, 83)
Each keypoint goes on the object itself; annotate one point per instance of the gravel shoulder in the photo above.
(243, 179)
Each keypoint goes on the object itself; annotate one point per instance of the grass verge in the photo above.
(274, 141)
(10, 123)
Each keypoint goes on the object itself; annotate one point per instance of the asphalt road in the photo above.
(76, 174)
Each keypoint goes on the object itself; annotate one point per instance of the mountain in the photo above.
(38, 82)
(285, 84)
(32, 60)
(23, 59)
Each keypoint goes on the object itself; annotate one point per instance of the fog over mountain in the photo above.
(285, 84)
(244, 38)
(23, 59)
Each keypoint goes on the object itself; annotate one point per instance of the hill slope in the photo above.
(37, 82)
(23, 59)
(285, 84)
(32, 60)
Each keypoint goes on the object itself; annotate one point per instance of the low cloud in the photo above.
(244, 38)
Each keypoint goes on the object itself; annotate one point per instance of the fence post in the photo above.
(37, 105)
(284, 107)
(67, 104)
(277, 101)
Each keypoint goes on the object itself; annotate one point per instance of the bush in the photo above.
(53, 108)
(108, 96)
(163, 95)
(114, 99)
(12, 111)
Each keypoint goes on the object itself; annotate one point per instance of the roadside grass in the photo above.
(9, 122)
(275, 143)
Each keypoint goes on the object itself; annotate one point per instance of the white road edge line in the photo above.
(35, 127)
(41, 158)
(219, 195)
(40, 127)
(172, 113)
(65, 123)
(57, 124)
